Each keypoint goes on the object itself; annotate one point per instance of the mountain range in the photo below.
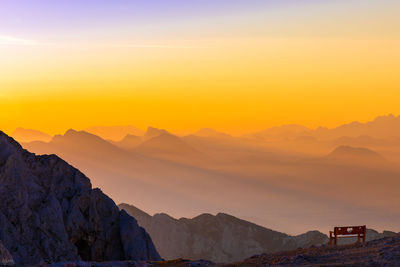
(272, 183)
(114, 133)
(50, 213)
(29, 135)
(385, 127)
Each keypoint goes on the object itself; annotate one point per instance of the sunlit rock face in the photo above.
(50, 213)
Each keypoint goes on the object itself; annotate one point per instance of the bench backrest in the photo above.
(350, 230)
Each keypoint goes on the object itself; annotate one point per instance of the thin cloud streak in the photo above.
(10, 40)
(154, 46)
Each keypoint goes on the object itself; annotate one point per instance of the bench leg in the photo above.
(358, 239)
(335, 240)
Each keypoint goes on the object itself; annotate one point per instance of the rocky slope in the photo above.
(50, 213)
(381, 252)
(220, 238)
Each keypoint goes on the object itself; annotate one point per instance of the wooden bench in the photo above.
(348, 231)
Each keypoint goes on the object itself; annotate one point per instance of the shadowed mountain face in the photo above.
(49, 213)
(220, 238)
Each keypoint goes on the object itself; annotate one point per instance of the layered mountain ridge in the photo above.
(219, 238)
(225, 238)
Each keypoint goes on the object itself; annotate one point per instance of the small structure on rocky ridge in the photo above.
(348, 231)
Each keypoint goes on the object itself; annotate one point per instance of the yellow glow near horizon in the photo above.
(315, 73)
(248, 85)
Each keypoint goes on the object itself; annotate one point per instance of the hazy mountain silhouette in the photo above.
(288, 131)
(364, 141)
(30, 135)
(129, 142)
(387, 127)
(263, 184)
(381, 134)
(220, 238)
(208, 132)
(167, 146)
(154, 132)
(353, 155)
(115, 133)
(84, 142)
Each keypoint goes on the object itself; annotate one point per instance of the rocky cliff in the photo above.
(50, 213)
(220, 238)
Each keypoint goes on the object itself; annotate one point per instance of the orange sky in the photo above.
(239, 73)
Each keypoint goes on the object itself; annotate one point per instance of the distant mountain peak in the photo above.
(30, 135)
(355, 153)
(164, 143)
(386, 118)
(72, 132)
(114, 133)
(129, 142)
(209, 132)
(154, 132)
(81, 135)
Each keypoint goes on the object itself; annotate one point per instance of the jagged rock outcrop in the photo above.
(220, 238)
(50, 213)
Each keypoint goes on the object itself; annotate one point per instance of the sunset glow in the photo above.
(237, 66)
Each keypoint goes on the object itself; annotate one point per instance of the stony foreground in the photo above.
(172, 263)
(382, 252)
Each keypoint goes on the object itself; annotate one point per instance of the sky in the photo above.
(233, 65)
